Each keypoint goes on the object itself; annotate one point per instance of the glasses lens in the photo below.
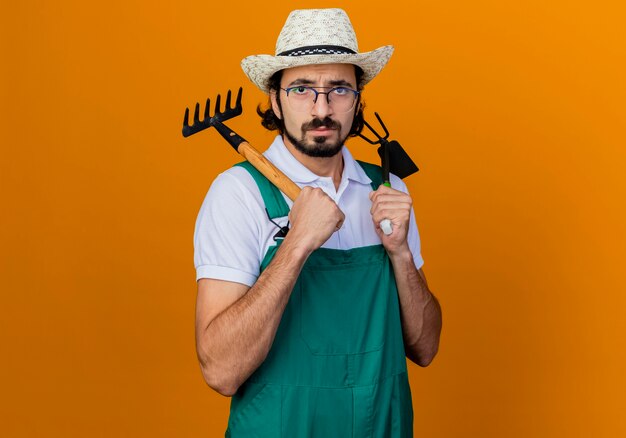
(342, 99)
(300, 98)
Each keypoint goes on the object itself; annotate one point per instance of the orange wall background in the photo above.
(513, 110)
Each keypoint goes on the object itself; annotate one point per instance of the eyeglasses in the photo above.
(302, 98)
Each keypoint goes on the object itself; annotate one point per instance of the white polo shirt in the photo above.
(233, 232)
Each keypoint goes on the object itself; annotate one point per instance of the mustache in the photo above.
(327, 122)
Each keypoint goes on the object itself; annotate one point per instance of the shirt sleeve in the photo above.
(226, 237)
(413, 236)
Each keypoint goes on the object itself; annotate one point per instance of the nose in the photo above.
(321, 107)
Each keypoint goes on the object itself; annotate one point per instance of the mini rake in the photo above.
(244, 148)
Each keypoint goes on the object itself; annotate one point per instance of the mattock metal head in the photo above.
(394, 159)
(217, 117)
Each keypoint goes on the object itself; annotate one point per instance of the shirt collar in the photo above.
(280, 156)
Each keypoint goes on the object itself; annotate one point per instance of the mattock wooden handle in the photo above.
(271, 172)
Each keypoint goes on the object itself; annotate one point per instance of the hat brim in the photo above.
(260, 68)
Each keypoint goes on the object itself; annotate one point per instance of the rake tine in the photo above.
(228, 100)
(238, 102)
(218, 101)
(206, 110)
(383, 125)
(196, 114)
(186, 119)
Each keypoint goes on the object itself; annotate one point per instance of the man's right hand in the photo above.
(314, 217)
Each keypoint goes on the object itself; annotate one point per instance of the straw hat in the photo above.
(315, 36)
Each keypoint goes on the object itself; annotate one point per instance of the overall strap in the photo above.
(272, 197)
(374, 173)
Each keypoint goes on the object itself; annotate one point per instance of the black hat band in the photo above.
(318, 50)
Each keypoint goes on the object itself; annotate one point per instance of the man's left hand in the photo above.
(394, 205)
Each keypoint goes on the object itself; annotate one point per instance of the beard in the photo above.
(321, 146)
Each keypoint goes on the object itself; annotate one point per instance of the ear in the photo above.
(275, 107)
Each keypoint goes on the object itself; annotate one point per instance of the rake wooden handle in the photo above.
(271, 172)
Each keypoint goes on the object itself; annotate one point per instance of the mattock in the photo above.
(244, 148)
(393, 158)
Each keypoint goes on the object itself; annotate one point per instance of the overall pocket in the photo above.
(343, 309)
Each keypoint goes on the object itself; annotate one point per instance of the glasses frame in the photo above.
(357, 95)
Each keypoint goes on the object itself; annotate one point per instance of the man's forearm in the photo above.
(236, 342)
(419, 310)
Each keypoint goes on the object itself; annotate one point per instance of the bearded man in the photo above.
(308, 330)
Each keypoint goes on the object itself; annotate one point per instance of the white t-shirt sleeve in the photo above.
(413, 236)
(226, 237)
